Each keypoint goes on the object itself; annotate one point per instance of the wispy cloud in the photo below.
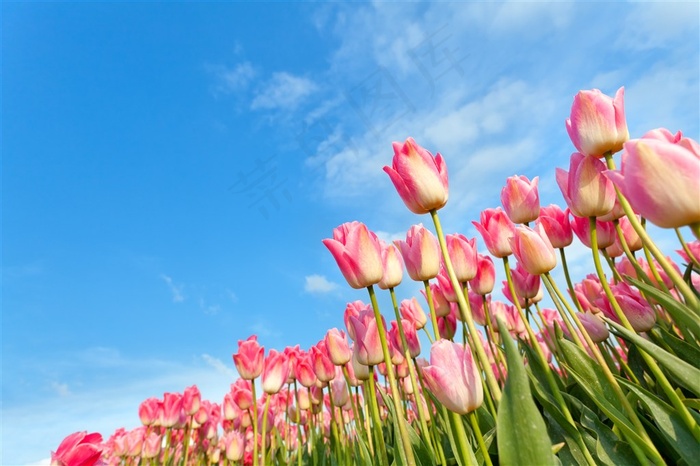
(319, 284)
(232, 79)
(209, 309)
(283, 91)
(176, 290)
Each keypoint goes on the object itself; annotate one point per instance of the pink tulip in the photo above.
(338, 347)
(393, 266)
(594, 326)
(597, 124)
(78, 449)
(234, 445)
(172, 409)
(357, 370)
(634, 243)
(453, 377)
(447, 325)
(353, 309)
(661, 180)
(638, 311)
(446, 287)
(462, 252)
(191, 400)
(605, 232)
(148, 411)
(421, 253)
(495, 228)
(249, 359)
(587, 192)
(304, 370)
(485, 278)
(133, 441)
(419, 178)
(367, 348)
(694, 248)
(322, 364)
(242, 393)
(275, 371)
(358, 253)
(152, 444)
(476, 304)
(412, 311)
(533, 250)
(411, 337)
(527, 285)
(520, 199)
(440, 302)
(555, 222)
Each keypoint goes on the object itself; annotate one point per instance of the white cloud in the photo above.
(231, 80)
(176, 290)
(283, 91)
(318, 284)
(60, 388)
(658, 25)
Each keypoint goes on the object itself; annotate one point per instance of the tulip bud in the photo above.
(393, 266)
(358, 253)
(587, 192)
(495, 228)
(533, 250)
(597, 124)
(421, 253)
(520, 199)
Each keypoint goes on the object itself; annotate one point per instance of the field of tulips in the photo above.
(609, 376)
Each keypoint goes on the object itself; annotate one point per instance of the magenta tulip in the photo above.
(419, 178)
(358, 253)
(597, 124)
(79, 449)
(453, 377)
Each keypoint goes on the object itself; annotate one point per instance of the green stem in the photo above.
(400, 418)
(692, 301)
(611, 264)
(460, 436)
(569, 283)
(431, 308)
(376, 420)
(479, 438)
(465, 312)
(264, 431)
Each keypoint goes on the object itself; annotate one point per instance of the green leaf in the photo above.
(592, 380)
(682, 314)
(681, 348)
(522, 434)
(669, 423)
(684, 373)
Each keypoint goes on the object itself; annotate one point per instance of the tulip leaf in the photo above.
(681, 348)
(669, 423)
(682, 314)
(686, 375)
(592, 380)
(521, 432)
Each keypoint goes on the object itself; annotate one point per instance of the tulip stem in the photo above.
(479, 438)
(460, 437)
(465, 312)
(690, 298)
(562, 254)
(376, 420)
(400, 418)
(431, 307)
(264, 430)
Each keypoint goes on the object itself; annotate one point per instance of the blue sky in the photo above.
(169, 170)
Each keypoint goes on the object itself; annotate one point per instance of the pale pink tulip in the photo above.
(421, 253)
(453, 377)
(412, 311)
(393, 266)
(594, 326)
(638, 311)
(419, 178)
(597, 124)
(322, 364)
(585, 188)
(605, 232)
(462, 252)
(520, 199)
(533, 250)
(148, 411)
(353, 309)
(338, 347)
(172, 409)
(661, 180)
(358, 253)
(411, 337)
(485, 278)
(367, 348)
(440, 302)
(495, 228)
(275, 371)
(191, 400)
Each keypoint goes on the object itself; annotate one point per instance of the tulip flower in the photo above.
(527, 285)
(275, 371)
(421, 253)
(555, 222)
(249, 359)
(453, 377)
(412, 311)
(445, 284)
(367, 348)
(520, 199)
(148, 411)
(636, 309)
(634, 243)
(152, 445)
(447, 325)
(191, 400)
(358, 253)
(172, 409)
(462, 252)
(79, 449)
(495, 228)
(594, 326)
(419, 178)
(597, 123)
(485, 278)
(533, 250)
(321, 361)
(585, 188)
(605, 232)
(338, 347)
(661, 180)
(440, 302)
(411, 337)
(393, 266)
(353, 309)
(304, 370)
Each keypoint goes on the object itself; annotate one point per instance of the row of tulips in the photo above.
(609, 375)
